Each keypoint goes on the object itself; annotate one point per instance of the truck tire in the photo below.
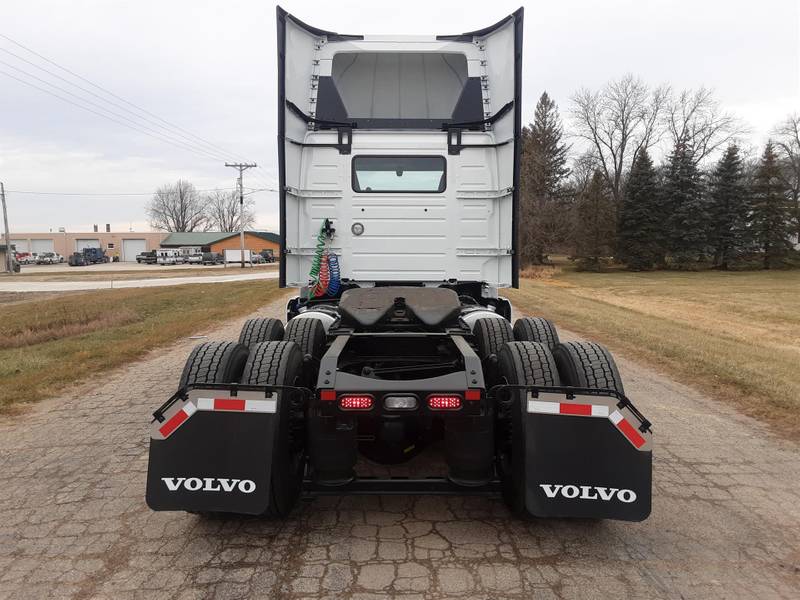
(521, 363)
(536, 329)
(214, 362)
(587, 365)
(281, 363)
(308, 334)
(255, 331)
(490, 335)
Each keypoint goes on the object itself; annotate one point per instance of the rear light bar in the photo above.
(444, 401)
(355, 402)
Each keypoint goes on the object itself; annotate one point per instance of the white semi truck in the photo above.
(399, 193)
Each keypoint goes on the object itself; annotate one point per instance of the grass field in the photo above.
(49, 343)
(733, 335)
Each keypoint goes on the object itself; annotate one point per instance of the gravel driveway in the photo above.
(73, 523)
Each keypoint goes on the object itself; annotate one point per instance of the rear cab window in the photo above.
(399, 174)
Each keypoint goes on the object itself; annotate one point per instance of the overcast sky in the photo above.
(210, 68)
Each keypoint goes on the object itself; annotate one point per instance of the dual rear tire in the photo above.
(542, 361)
(278, 363)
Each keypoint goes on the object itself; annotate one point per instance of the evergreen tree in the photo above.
(542, 172)
(594, 224)
(687, 219)
(772, 218)
(729, 209)
(641, 220)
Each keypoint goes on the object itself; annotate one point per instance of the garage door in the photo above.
(130, 248)
(21, 245)
(81, 244)
(40, 246)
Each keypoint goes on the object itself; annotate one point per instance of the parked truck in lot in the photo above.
(399, 179)
(88, 256)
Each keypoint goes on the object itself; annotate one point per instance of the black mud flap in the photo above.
(211, 449)
(588, 454)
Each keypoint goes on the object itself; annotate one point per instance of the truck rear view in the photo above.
(399, 169)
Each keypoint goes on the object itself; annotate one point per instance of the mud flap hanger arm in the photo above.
(571, 392)
(231, 388)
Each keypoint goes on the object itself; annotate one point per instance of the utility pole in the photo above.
(242, 168)
(9, 264)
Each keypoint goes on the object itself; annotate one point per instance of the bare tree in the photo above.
(787, 146)
(695, 119)
(224, 212)
(177, 207)
(619, 121)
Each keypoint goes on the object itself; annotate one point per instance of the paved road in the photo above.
(19, 284)
(73, 523)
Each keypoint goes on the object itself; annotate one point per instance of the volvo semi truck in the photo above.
(399, 163)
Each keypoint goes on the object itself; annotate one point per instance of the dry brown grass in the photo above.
(48, 344)
(734, 335)
(61, 322)
(540, 271)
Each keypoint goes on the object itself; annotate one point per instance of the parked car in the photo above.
(195, 259)
(169, 256)
(25, 258)
(257, 259)
(268, 255)
(212, 258)
(148, 257)
(49, 258)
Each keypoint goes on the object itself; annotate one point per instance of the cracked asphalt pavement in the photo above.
(74, 524)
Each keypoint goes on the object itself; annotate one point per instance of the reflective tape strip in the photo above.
(599, 410)
(589, 410)
(537, 406)
(228, 404)
(261, 406)
(237, 404)
(567, 408)
(628, 430)
(177, 419)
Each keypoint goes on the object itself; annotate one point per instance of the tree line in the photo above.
(180, 207)
(707, 203)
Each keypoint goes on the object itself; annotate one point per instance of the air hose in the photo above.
(324, 275)
(316, 262)
(335, 279)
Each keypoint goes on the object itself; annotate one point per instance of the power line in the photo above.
(110, 93)
(142, 128)
(99, 114)
(166, 133)
(178, 130)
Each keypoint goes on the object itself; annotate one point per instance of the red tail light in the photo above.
(355, 402)
(327, 395)
(444, 401)
(472, 395)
